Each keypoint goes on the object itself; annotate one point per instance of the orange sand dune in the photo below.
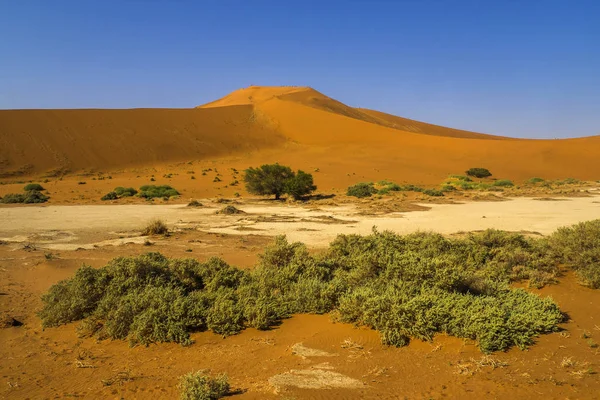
(292, 125)
(34, 141)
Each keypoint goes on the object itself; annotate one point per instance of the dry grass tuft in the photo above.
(155, 227)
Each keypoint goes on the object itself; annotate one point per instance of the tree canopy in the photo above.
(275, 179)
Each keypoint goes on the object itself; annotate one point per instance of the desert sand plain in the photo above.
(79, 155)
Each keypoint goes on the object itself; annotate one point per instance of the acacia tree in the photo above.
(479, 172)
(268, 179)
(275, 179)
(300, 185)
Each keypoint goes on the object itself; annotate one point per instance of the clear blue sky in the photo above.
(514, 67)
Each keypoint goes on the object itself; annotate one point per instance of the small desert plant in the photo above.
(503, 183)
(153, 191)
(109, 196)
(535, 180)
(200, 386)
(155, 227)
(194, 203)
(478, 172)
(361, 190)
(13, 198)
(30, 197)
(33, 186)
(230, 210)
(125, 192)
(433, 192)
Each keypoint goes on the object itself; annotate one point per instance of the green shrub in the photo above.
(413, 188)
(33, 196)
(199, 386)
(33, 186)
(404, 286)
(153, 191)
(535, 180)
(461, 178)
(361, 190)
(448, 188)
(433, 192)
(503, 183)
(479, 172)
(300, 185)
(125, 192)
(13, 198)
(110, 196)
(30, 197)
(194, 203)
(579, 247)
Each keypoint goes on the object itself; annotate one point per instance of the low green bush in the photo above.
(361, 190)
(503, 183)
(433, 192)
(200, 386)
(535, 180)
(109, 196)
(461, 178)
(33, 186)
(161, 191)
(404, 286)
(30, 197)
(13, 198)
(125, 192)
(579, 247)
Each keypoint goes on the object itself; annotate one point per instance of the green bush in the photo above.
(33, 186)
(300, 185)
(433, 192)
(503, 183)
(535, 180)
(13, 198)
(199, 386)
(579, 247)
(109, 196)
(361, 190)
(125, 192)
(30, 197)
(404, 286)
(153, 191)
(479, 172)
(461, 178)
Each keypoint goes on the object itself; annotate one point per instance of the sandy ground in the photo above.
(72, 227)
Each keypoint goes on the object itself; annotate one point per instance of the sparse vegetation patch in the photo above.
(200, 386)
(160, 191)
(361, 190)
(404, 286)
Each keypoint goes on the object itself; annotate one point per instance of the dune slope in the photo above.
(55, 140)
(295, 125)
